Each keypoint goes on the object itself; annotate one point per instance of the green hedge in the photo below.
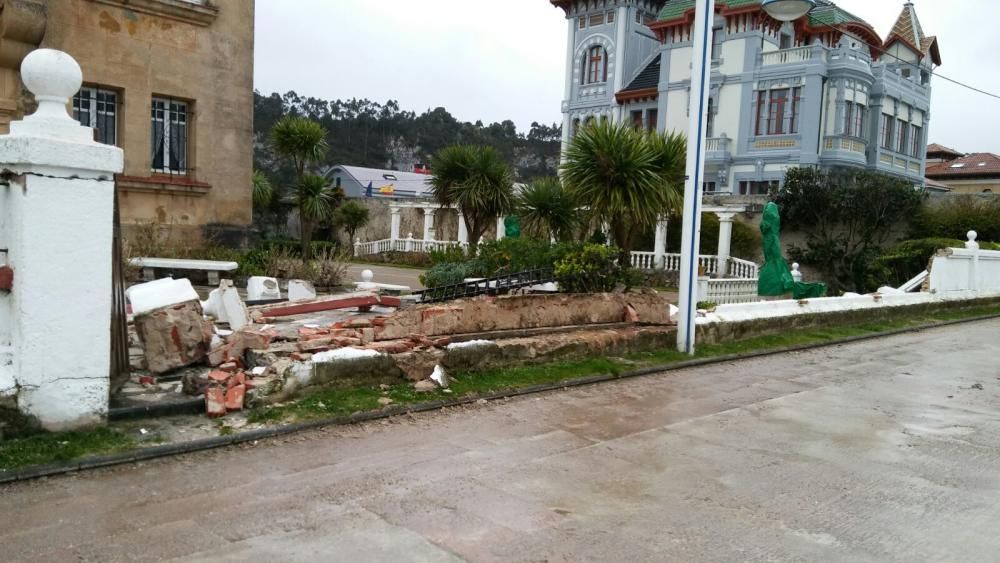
(904, 261)
(955, 217)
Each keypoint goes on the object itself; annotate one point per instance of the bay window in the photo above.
(854, 119)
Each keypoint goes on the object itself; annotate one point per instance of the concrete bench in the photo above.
(213, 267)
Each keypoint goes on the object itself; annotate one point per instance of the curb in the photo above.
(145, 454)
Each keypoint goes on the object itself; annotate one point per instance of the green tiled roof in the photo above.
(825, 14)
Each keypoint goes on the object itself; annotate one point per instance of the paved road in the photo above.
(387, 274)
(877, 451)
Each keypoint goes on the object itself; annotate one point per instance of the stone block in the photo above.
(215, 402)
(234, 398)
(174, 337)
(418, 365)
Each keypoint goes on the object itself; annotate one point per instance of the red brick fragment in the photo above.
(300, 356)
(631, 316)
(238, 379)
(234, 397)
(147, 380)
(220, 376)
(391, 346)
(215, 402)
(442, 342)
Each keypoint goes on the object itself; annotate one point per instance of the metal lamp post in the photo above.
(782, 10)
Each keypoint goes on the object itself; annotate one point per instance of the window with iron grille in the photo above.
(97, 108)
(169, 136)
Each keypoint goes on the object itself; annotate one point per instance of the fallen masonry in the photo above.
(295, 349)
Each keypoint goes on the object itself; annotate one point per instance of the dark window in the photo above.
(888, 125)
(917, 139)
(169, 136)
(776, 112)
(771, 109)
(595, 66)
(796, 99)
(854, 119)
(902, 136)
(576, 126)
(710, 122)
(651, 118)
(786, 41)
(98, 109)
(583, 23)
(637, 119)
(597, 19)
(338, 182)
(611, 17)
(758, 188)
(708, 187)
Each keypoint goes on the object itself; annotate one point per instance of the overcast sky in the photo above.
(504, 59)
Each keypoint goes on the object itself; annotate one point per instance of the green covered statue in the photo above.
(512, 226)
(775, 277)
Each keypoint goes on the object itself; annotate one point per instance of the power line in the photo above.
(885, 52)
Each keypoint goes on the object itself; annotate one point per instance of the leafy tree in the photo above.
(316, 201)
(478, 181)
(626, 177)
(847, 216)
(351, 216)
(303, 143)
(549, 210)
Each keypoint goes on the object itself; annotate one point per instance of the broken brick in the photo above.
(442, 342)
(391, 346)
(367, 335)
(215, 402)
(234, 398)
(229, 367)
(147, 380)
(630, 315)
(220, 376)
(358, 323)
(238, 379)
(310, 345)
(301, 356)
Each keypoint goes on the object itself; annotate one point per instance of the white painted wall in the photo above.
(58, 215)
(728, 119)
(960, 269)
(677, 115)
(734, 53)
(680, 64)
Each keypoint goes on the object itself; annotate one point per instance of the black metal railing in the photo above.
(496, 285)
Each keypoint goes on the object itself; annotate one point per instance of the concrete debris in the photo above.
(425, 386)
(300, 290)
(343, 354)
(174, 337)
(158, 294)
(261, 288)
(440, 377)
(362, 301)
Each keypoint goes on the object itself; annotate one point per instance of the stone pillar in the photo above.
(395, 218)
(57, 213)
(429, 223)
(501, 229)
(463, 229)
(725, 241)
(660, 249)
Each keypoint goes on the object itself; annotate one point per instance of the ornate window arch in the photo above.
(595, 66)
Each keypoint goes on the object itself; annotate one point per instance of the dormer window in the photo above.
(595, 66)
(390, 177)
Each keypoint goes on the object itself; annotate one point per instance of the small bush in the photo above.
(450, 273)
(285, 264)
(910, 257)
(329, 268)
(592, 269)
(957, 216)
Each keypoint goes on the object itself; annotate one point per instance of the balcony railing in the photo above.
(847, 144)
(717, 144)
(787, 56)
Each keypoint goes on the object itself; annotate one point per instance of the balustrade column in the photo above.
(725, 242)
(463, 229)
(429, 223)
(660, 249)
(501, 228)
(395, 221)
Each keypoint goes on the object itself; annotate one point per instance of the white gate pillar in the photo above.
(58, 212)
(660, 248)
(463, 229)
(395, 219)
(725, 242)
(429, 223)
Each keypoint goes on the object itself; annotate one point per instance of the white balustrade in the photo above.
(729, 291)
(786, 56)
(373, 247)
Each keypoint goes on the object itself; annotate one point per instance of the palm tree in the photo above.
(303, 142)
(351, 216)
(626, 177)
(478, 181)
(316, 201)
(263, 191)
(549, 210)
(671, 163)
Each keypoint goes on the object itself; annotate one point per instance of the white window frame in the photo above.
(91, 96)
(175, 113)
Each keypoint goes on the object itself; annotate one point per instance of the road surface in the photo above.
(885, 450)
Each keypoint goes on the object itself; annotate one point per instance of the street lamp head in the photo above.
(788, 10)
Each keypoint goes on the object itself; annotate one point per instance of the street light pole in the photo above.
(701, 67)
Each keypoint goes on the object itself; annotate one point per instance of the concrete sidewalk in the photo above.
(883, 450)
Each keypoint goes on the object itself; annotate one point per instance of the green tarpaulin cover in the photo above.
(775, 277)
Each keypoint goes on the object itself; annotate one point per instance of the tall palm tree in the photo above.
(303, 142)
(316, 201)
(626, 177)
(549, 210)
(478, 181)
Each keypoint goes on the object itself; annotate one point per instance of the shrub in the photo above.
(957, 216)
(910, 257)
(329, 268)
(283, 263)
(591, 269)
(449, 273)
(745, 244)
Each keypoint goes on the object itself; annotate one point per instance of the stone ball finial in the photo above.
(973, 235)
(52, 76)
(367, 276)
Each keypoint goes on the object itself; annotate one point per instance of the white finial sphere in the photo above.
(367, 276)
(795, 266)
(51, 75)
(973, 235)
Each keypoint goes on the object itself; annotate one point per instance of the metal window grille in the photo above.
(169, 133)
(98, 109)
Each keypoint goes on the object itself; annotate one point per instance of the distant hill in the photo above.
(370, 134)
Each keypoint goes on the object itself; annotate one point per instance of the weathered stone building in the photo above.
(168, 81)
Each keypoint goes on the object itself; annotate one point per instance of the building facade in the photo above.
(825, 90)
(975, 173)
(168, 81)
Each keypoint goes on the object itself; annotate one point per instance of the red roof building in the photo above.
(972, 173)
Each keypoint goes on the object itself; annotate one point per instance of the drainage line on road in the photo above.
(146, 454)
